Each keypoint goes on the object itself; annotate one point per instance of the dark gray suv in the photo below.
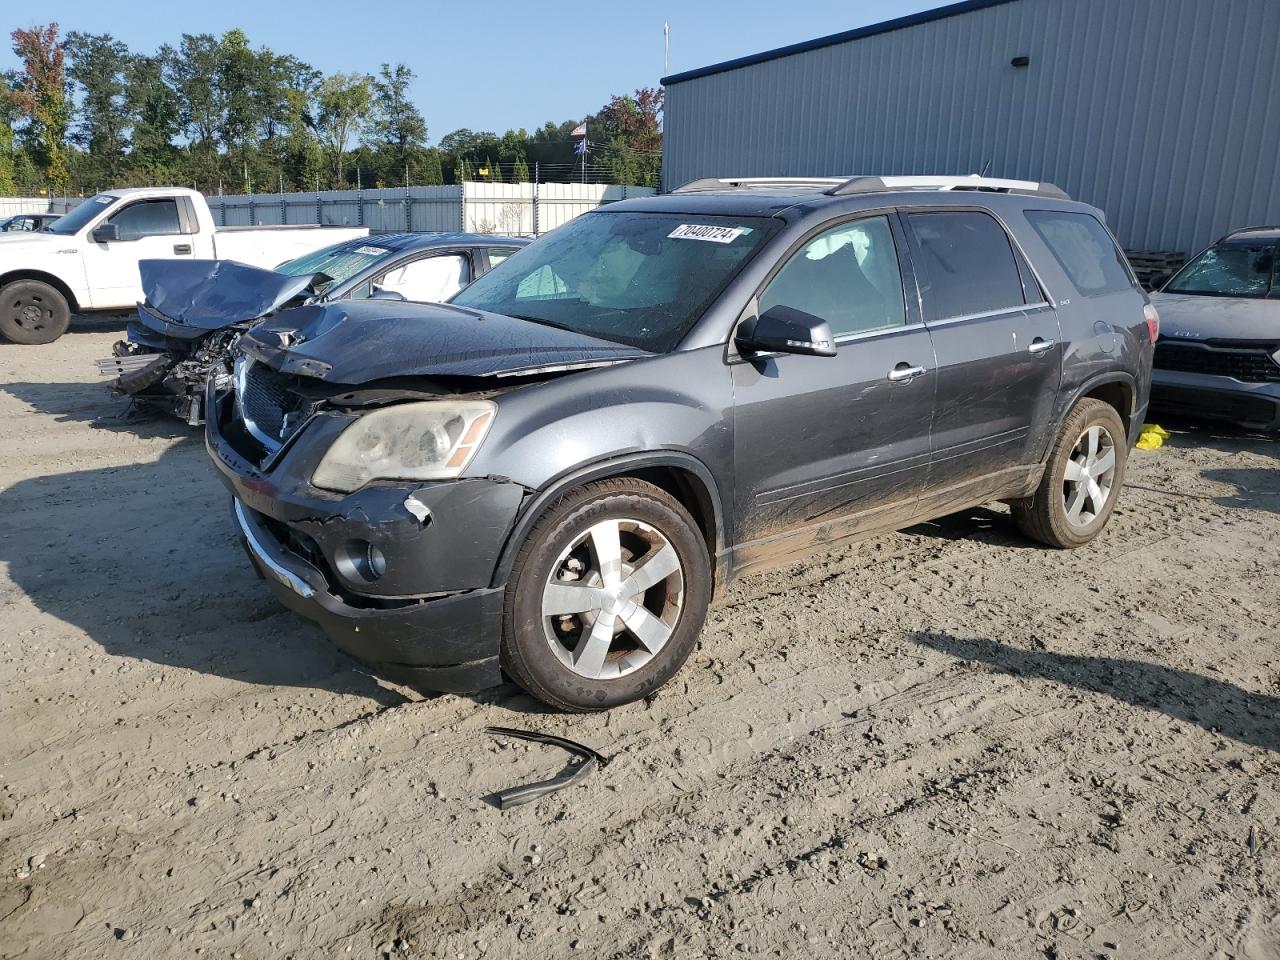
(553, 474)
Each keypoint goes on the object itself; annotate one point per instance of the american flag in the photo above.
(579, 131)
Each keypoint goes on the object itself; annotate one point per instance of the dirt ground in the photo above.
(946, 742)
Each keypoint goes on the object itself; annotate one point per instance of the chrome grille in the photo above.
(1249, 366)
(271, 411)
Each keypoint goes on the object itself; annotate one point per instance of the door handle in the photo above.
(181, 248)
(1039, 345)
(904, 372)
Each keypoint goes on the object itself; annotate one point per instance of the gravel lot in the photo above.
(945, 742)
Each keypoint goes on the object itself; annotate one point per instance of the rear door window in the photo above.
(1084, 249)
(968, 263)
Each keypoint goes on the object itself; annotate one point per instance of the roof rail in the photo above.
(856, 185)
(731, 183)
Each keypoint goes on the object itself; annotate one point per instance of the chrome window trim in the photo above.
(878, 332)
(1003, 311)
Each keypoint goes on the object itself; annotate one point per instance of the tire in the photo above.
(32, 312)
(615, 647)
(1064, 511)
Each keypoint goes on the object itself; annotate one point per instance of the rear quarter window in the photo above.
(1085, 251)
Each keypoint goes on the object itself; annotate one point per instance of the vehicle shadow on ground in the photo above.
(90, 403)
(1257, 488)
(1217, 706)
(981, 524)
(142, 557)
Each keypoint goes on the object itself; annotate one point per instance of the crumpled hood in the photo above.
(1188, 317)
(212, 294)
(358, 341)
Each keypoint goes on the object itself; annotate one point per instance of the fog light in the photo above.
(360, 560)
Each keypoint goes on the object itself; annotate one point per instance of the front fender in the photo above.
(672, 411)
(536, 505)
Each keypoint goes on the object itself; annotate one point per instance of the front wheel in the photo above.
(32, 312)
(607, 596)
(1081, 480)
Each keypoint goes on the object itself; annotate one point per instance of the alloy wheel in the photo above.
(1089, 476)
(613, 598)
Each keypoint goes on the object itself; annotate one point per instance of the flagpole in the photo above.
(666, 48)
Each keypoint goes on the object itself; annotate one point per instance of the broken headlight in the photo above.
(432, 440)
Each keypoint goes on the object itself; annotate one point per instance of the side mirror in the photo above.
(786, 330)
(382, 293)
(1158, 280)
(106, 233)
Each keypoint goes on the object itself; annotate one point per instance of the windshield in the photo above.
(340, 262)
(641, 279)
(1230, 269)
(84, 212)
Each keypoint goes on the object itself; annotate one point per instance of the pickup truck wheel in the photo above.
(33, 312)
(1081, 480)
(607, 596)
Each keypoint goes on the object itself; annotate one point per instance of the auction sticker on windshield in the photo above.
(706, 231)
(371, 251)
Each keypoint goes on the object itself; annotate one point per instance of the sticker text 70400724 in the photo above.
(706, 231)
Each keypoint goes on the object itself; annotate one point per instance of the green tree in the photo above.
(8, 157)
(431, 169)
(41, 96)
(396, 129)
(630, 128)
(191, 72)
(302, 159)
(235, 81)
(152, 106)
(520, 171)
(98, 64)
(343, 103)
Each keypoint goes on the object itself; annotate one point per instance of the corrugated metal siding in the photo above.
(1164, 113)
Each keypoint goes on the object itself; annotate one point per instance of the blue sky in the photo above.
(491, 65)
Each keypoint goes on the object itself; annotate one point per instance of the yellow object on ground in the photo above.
(1152, 437)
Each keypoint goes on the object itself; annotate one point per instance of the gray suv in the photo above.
(552, 475)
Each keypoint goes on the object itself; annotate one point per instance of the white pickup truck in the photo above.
(88, 259)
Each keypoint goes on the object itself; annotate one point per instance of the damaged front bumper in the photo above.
(398, 576)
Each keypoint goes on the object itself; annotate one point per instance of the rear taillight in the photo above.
(1153, 322)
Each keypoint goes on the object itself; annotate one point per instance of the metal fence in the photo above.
(11, 206)
(475, 207)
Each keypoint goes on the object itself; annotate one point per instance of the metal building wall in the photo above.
(1164, 113)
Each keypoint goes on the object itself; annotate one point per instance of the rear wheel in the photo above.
(32, 312)
(1081, 480)
(607, 597)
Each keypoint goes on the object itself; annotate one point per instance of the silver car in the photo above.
(1218, 356)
